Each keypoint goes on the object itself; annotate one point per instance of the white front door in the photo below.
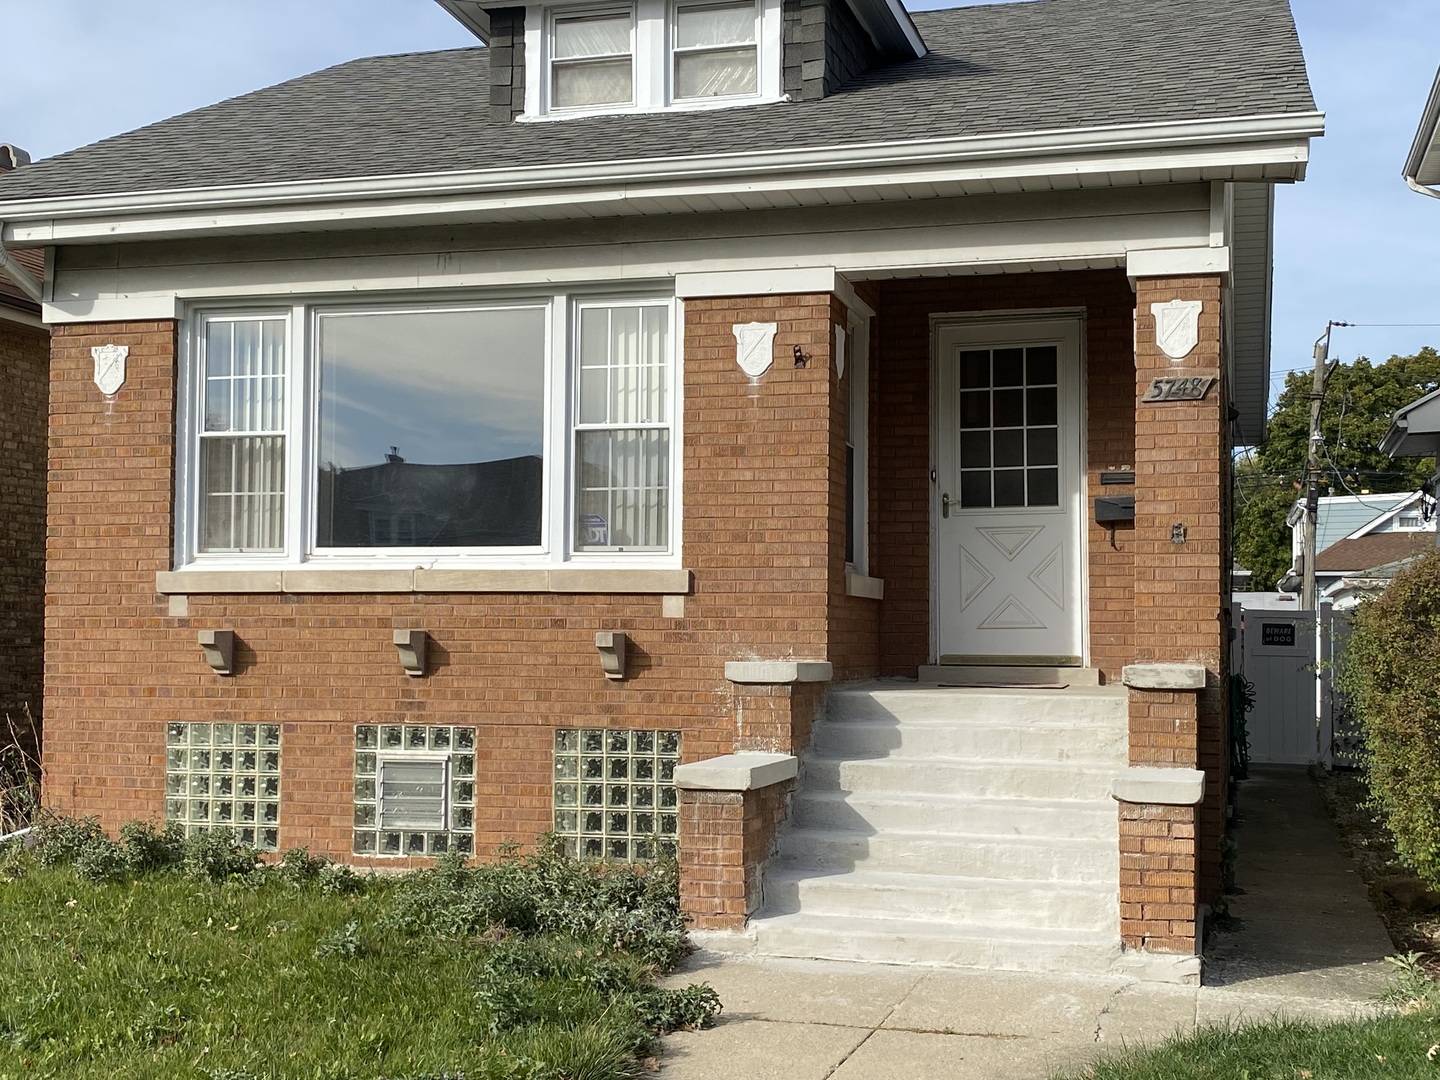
(1008, 495)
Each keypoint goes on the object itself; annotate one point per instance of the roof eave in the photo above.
(1422, 167)
(891, 28)
(470, 14)
(1276, 145)
(1414, 429)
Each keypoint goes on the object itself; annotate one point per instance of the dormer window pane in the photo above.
(700, 27)
(592, 62)
(715, 53)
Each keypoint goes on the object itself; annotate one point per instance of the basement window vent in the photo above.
(615, 795)
(225, 776)
(414, 790)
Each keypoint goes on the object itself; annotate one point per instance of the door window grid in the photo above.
(615, 794)
(1009, 427)
(451, 750)
(225, 776)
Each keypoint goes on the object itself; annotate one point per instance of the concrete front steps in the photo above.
(968, 826)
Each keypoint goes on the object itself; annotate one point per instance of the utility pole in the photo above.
(1323, 369)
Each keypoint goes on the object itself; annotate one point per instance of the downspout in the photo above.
(17, 273)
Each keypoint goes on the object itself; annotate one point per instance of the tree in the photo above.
(1360, 399)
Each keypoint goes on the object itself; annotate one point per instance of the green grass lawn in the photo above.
(537, 968)
(1389, 1048)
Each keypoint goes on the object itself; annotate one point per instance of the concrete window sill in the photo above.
(324, 580)
(870, 588)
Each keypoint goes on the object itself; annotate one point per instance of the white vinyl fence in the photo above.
(1277, 649)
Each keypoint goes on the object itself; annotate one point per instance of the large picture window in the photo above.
(432, 428)
(531, 432)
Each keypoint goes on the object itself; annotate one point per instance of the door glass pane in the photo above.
(1009, 487)
(974, 449)
(1009, 408)
(1042, 449)
(1044, 487)
(975, 409)
(1009, 367)
(1041, 406)
(975, 488)
(1040, 365)
(1009, 449)
(974, 369)
(431, 428)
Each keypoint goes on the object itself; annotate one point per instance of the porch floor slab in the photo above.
(1306, 944)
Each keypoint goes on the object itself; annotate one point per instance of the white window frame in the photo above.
(556, 15)
(559, 518)
(653, 58)
(673, 50)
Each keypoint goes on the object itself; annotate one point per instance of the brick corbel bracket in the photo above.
(1160, 922)
(730, 808)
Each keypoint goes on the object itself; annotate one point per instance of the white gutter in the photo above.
(1287, 131)
(17, 273)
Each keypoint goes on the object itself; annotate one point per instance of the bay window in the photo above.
(528, 432)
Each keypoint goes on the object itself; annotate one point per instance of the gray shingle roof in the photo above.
(1046, 65)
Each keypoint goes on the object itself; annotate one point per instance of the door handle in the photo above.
(945, 505)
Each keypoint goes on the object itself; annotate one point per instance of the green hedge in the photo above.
(1391, 675)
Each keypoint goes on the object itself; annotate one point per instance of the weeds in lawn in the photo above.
(156, 955)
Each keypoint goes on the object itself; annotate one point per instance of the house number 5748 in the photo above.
(1192, 388)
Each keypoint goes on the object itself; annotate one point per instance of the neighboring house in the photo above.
(25, 377)
(1360, 556)
(535, 438)
(1349, 517)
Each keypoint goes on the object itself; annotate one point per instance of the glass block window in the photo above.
(615, 795)
(414, 790)
(1009, 427)
(225, 776)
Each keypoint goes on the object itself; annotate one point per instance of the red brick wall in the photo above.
(24, 363)
(901, 553)
(1182, 591)
(758, 536)
(1157, 878)
(725, 838)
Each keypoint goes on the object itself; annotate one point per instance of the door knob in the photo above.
(945, 505)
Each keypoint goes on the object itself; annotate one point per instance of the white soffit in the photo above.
(470, 14)
(1423, 164)
(1268, 148)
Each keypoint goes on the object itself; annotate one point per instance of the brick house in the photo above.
(25, 369)
(553, 436)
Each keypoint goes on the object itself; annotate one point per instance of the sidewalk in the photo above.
(1304, 943)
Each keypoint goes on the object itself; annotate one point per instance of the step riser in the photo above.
(996, 904)
(998, 780)
(1002, 860)
(987, 742)
(1022, 710)
(996, 954)
(998, 820)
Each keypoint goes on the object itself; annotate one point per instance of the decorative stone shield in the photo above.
(839, 352)
(110, 367)
(1177, 327)
(754, 347)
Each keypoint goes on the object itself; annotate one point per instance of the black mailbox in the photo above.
(1112, 508)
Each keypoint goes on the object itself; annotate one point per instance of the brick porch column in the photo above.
(1170, 845)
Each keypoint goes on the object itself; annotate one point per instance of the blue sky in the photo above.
(1352, 244)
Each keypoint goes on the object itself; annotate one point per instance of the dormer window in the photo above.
(592, 60)
(647, 56)
(715, 51)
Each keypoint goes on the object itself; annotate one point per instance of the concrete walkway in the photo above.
(1304, 943)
